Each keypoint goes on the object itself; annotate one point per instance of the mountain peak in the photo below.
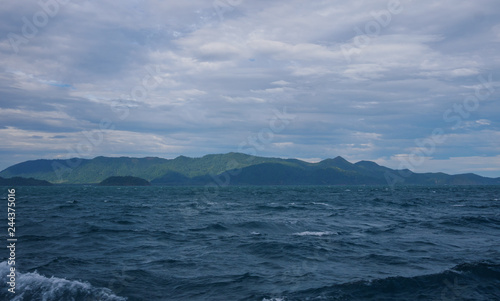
(367, 163)
(340, 159)
(338, 162)
(241, 169)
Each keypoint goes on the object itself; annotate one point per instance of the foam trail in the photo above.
(33, 286)
(312, 233)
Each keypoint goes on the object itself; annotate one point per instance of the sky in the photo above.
(407, 84)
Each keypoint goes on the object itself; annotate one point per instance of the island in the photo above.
(20, 181)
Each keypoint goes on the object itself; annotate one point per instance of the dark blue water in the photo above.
(255, 243)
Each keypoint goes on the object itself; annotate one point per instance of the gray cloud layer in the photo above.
(363, 79)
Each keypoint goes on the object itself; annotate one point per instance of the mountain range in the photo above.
(232, 169)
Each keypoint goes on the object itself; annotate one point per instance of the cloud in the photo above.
(280, 83)
(483, 122)
(495, 31)
(485, 166)
(193, 79)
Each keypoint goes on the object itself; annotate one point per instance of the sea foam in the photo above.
(311, 233)
(33, 286)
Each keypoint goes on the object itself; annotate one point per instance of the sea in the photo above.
(266, 243)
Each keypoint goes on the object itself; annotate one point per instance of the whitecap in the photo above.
(324, 204)
(312, 233)
(33, 286)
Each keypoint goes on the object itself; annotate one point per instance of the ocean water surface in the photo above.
(255, 243)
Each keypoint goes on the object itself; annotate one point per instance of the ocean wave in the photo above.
(253, 225)
(471, 221)
(275, 207)
(212, 227)
(313, 233)
(469, 281)
(33, 286)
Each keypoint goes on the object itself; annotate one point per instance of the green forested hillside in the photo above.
(124, 181)
(231, 169)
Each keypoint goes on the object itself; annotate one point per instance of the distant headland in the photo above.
(20, 181)
(224, 169)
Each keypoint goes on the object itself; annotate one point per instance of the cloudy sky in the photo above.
(403, 83)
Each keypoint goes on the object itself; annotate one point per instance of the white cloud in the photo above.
(87, 144)
(483, 121)
(280, 83)
(270, 90)
(244, 99)
(310, 160)
(283, 144)
(486, 166)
